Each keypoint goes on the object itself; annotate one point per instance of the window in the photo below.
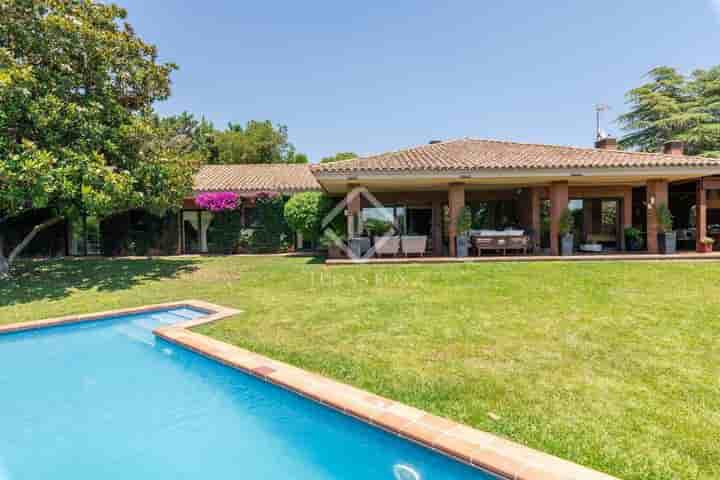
(394, 218)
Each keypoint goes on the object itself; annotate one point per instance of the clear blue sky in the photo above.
(380, 75)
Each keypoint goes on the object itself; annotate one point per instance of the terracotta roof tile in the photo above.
(283, 178)
(476, 154)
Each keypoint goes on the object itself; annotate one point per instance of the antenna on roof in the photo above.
(600, 134)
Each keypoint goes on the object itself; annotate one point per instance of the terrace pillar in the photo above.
(180, 225)
(657, 194)
(626, 214)
(354, 203)
(700, 213)
(456, 202)
(588, 207)
(535, 221)
(437, 221)
(559, 200)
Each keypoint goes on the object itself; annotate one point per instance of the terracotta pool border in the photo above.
(479, 449)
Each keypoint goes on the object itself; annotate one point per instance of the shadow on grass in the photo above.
(54, 279)
(315, 260)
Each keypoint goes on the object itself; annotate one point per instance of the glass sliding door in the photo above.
(191, 231)
(597, 222)
(84, 236)
(390, 219)
(419, 221)
(494, 215)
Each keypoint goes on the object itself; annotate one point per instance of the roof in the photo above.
(283, 178)
(476, 154)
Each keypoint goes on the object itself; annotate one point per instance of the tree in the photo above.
(256, 142)
(675, 107)
(190, 136)
(338, 157)
(77, 132)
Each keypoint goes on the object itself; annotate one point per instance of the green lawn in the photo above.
(612, 365)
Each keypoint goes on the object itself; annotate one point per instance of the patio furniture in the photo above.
(413, 244)
(601, 238)
(387, 246)
(518, 243)
(591, 247)
(359, 246)
(500, 240)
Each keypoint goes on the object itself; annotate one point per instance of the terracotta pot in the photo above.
(705, 248)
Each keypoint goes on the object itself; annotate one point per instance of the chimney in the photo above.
(674, 148)
(607, 143)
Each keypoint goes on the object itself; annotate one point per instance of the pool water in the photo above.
(107, 399)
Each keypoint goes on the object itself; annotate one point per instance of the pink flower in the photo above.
(218, 201)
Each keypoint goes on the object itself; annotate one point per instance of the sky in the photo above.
(380, 75)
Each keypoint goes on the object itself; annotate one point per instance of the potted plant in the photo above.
(376, 227)
(667, 240)
(633, 238)
(331, 241)
(463, 226)
(567, 227)
(706, 245)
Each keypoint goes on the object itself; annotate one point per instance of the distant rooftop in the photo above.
(245, 178)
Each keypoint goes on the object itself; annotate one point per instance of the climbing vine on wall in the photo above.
(269, 232)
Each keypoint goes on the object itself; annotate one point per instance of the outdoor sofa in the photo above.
(500, 240)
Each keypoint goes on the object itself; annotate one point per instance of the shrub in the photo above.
(304, 213)
(224, 232)
(664, 218)
(567, 222)
(464, 221)
(633, 234)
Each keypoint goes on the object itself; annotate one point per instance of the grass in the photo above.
(612, 365)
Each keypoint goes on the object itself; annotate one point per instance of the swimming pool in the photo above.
(108, 399)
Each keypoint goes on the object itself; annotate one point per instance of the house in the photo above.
(138, 232)
(506, 185)
(528, 187)
(248, 181)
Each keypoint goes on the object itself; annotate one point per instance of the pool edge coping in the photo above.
(460, 442)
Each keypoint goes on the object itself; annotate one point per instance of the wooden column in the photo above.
(437, 226)
(354, 205)
(535, 221)
(558, 203)
(587, 217)
(456, 201)
(657, 194)
(700, 213)
(626, 215)
(181, 225)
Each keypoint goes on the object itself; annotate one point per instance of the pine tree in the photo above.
(675, 107)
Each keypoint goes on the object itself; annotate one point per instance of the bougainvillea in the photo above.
(218, 201)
